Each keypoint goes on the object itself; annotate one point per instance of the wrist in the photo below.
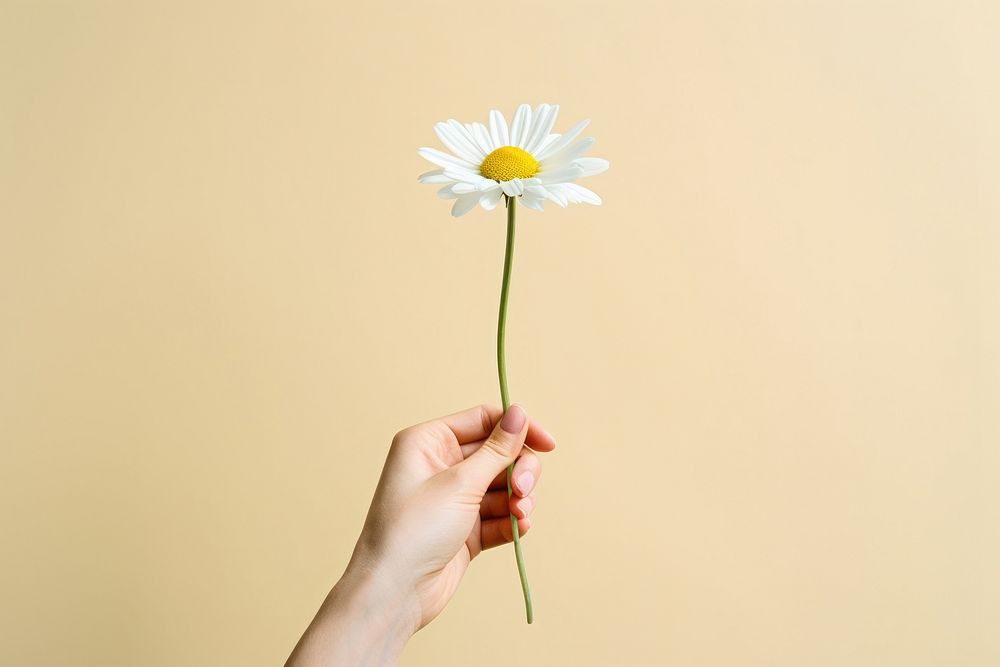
(383, 592)
(367, 618)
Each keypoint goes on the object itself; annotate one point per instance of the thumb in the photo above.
(499, 450)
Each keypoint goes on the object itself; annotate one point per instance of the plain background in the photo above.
(770, 358)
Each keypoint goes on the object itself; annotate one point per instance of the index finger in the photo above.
(477, 423)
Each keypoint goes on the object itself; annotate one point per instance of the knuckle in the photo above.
(484, 415)
(507, 531)
(496, 447)
(402, 436)
(522, 528)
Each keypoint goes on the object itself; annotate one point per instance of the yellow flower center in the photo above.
(508, 162)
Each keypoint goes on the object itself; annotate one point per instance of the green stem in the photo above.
(504, 395)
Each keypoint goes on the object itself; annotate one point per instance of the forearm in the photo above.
(365, 620)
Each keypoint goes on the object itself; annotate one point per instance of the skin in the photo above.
(440, 501)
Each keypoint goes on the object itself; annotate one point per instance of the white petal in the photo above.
(462, 133)
(454, 143)
(460, 129)
(562, 141)
(537, 118)
(536, 191)
(561, 174)
(463, 175)
(444, 160)
(542, 126)
(581, 194)
(548, 192)
(498, 129)
(591, 165)
(509, 188)
(520, 126)
(435, 176)
(556, 194)
(464, 188)
(482, 137)
(464, 204)
(490, 198)
(547, 141)
(568, 154)
(446, 192)
(532, 202)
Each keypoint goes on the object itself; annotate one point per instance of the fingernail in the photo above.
(525, 481)
(513, 420)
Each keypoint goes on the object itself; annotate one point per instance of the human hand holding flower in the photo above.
(454, 486)
(441, 500)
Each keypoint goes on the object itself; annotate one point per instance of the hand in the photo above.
(441, 500)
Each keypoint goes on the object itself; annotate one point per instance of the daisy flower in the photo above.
(525, 160)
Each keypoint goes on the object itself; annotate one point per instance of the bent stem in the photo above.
(504, 395)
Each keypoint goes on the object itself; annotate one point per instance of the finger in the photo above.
(524, 478)
(499, 451)
(498, 504)
(495, 504)
(473, 424)
(521, 507)
(494, 532)
(538, 439)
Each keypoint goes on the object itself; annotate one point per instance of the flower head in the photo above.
(526, 160)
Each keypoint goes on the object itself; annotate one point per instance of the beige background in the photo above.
(771, 358)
